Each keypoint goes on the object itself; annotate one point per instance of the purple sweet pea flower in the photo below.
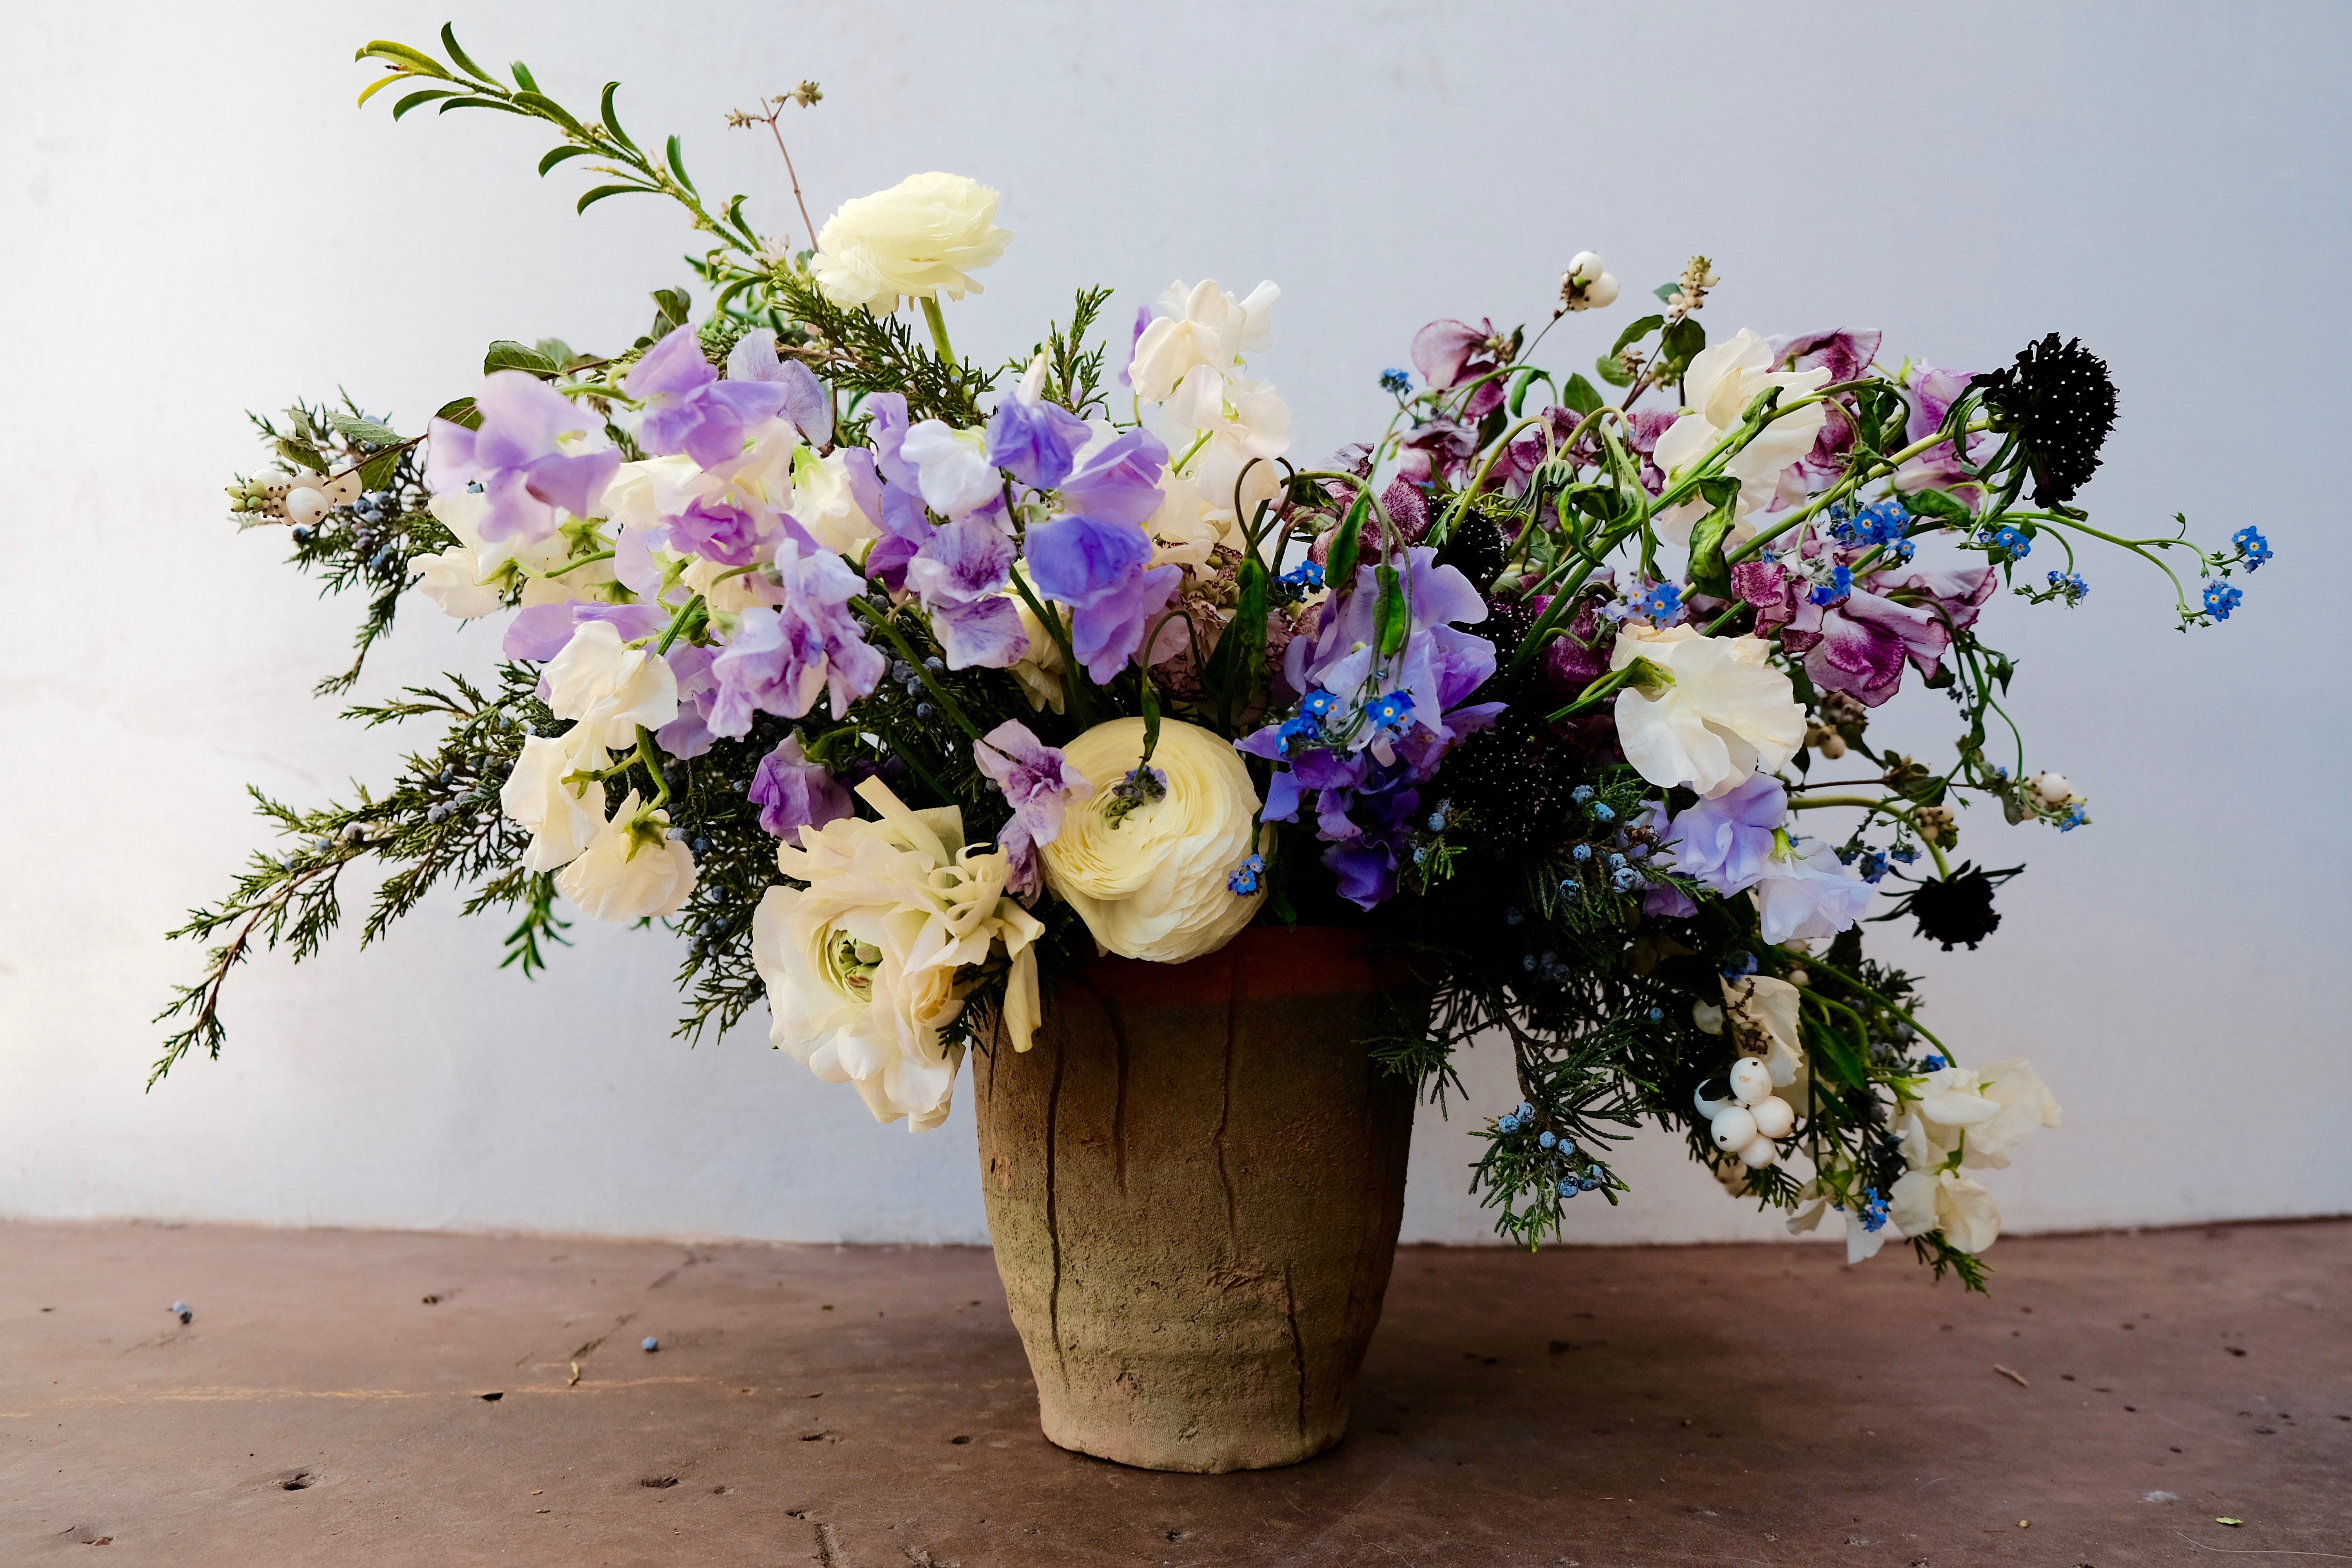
(1040, 783)
(781, 657)
(960, 573)
(716, 530)
(1096, 568)
(689, 409)
(1035, 441)
(538, 633)
(1448, 354)
(1860, 643)
(793, 793)
(1366, 865)
(1117, 480)
(518, 457)
(1142, 321)
(1808, 893)
(1932, 394)
(807, 403)
(689, 735)
(889, 412)
(1724, 843)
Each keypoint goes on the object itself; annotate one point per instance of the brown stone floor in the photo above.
(869, 1408)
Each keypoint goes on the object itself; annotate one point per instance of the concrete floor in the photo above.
(345, 1397)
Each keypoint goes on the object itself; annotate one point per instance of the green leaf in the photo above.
(601, 191)
(366, 431)
(550, 109)
(1609, 370)
(507, 354)
(1391, 619)
(1520, 381)
(1833, 1050)
(1707, 572)
(403, 57)
(1150, 697)
(557, 352)
(377, 471)
(1635, 331)
(612, 120)
(498, 103)
(429, 95)
(673, 308)
(1684, 340)
(678, 167)
(1340, 563)
(1231, 675)
(561, 153)
(522, 77)
(1579, 396)
(1939, 505)
(380, 83)
(461, 411)
(301, 455)
(449, 42)
(1667, 291)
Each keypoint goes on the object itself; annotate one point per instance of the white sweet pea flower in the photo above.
(826, 505)
(1761, 1013)
(1862, 1243)
(631, 870)
(461, 512)
(1212, 416)
(608, 688)
(2027, 1107)
(951, 467)
(1963, 1210)
(922, 237)
(861, 964)
(453, 579)
(562, 817)
(1039, 670)
(1722, 713)
(1721, 382)
(1200, 326)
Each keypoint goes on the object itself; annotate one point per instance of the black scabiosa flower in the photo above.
(2059, 402)
(1955, 907)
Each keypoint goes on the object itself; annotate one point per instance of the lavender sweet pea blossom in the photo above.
(780, 659)
(1859, 644)
(688, 736)
(1096, 568)
(689, 409)
(539, 632)
(1116, 476)
(1808, 892)
(807, 403)
(1933, 392)
(519, 458)
(1035, 441)
(960, 575)
(793, 793)
(1040, 783)
(1724, 843)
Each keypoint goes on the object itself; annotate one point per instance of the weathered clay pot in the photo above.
(1193, 1181)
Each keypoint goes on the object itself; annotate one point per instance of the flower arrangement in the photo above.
(899, 684)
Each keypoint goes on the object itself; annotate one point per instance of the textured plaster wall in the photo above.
(194, 221)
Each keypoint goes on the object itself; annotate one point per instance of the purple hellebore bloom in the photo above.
(1035, 441)
(960, 575)
(1039, 782)
(793, 793)
(807, 403)
(1118, 481)
(689, 409)
(1808, 893)
(539, 632)
(518, 457)
(689, 735)
(780, 659)
(1725, 844)
(1859, 645)
(1096, 568)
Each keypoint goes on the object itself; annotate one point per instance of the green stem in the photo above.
(677, 623)
(649, 754)
(1839, 974)
(583, 560)
(938, 326)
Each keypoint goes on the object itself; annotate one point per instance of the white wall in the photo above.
(195, 221)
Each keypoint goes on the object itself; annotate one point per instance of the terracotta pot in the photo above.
(1193, 1182)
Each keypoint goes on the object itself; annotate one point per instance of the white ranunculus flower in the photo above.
(1721, 382)
(560, 817)
(1726, 714)
(631, 869)
(922, 237)
(453, 579)
(951, 467)
(2027, 1107)
(610, 689)
(861, 964)
(1963, 1210)
(1149, 878)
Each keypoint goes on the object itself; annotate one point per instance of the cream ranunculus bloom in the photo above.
(1963, 1210)
(922, 237)
(1151, 883)
(861, 964)
(631, 870)
(1721, 382)
(1726, 713)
